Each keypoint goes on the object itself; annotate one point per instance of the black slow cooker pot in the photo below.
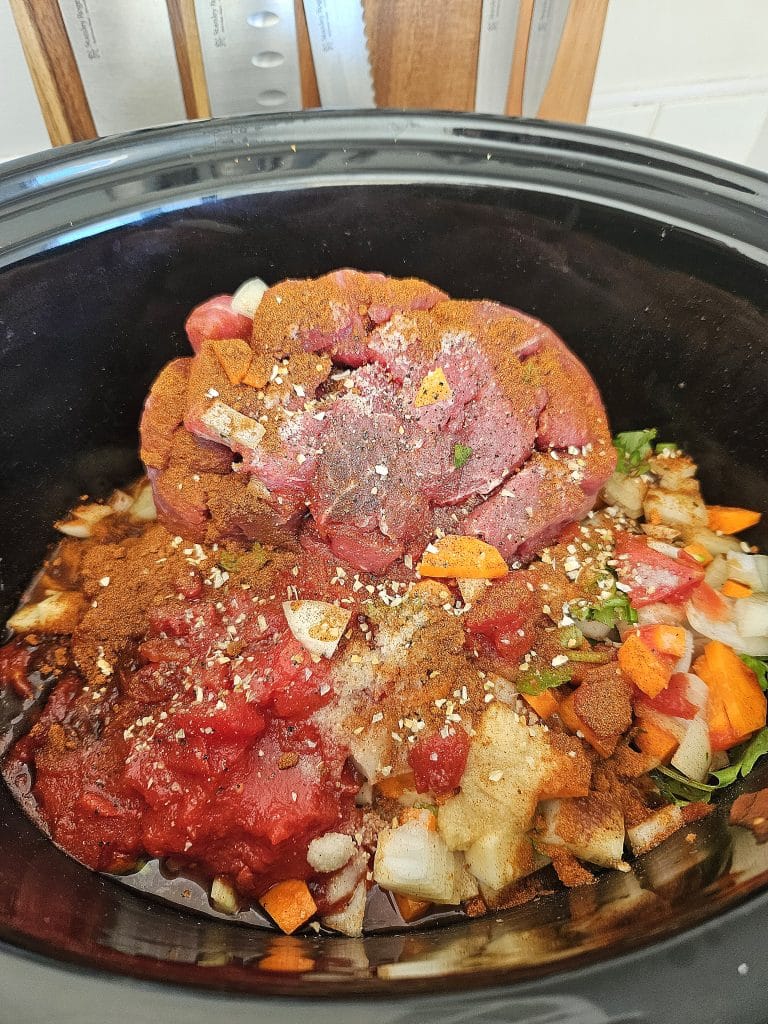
(651, 263)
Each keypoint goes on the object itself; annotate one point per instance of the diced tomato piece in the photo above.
(299, 685)
(503, 630)
(653, 576)
(438, 762)
(215, 319)
(672, 700)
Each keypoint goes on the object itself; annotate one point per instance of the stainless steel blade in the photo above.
(543, 43)
(498, 28)
(250, 55)
(127, 62)
(340, 52)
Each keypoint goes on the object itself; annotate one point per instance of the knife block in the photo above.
(423, 56)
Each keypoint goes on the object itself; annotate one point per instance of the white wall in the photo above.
(691, 72)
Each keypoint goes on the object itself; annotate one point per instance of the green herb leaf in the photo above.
(666, 446)
(681, 790)
(258, 556)
(535, 683)
(634, 446)
(759, 667)
(615, 609)
(462, 453)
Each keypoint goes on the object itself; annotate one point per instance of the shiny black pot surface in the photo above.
(652, 264)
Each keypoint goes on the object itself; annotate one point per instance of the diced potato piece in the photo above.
(674, 508)
(655, 829)
(509, 764)
(628, 492)
(674, 471)
(591, 828)
(57, 613)
(413, 860)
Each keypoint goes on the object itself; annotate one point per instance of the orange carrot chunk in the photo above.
(462, 558)
(235, 356)
(737, 705)
(732, 588)
(411, 908)
(644, 667)
(289, 904)
(394, 786)
(699, 553)
(731, 520)
(572, 722)
(655, 741)
(544, 704)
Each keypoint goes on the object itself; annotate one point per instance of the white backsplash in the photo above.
(690, 72)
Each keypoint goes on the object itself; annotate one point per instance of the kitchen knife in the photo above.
(340, 52)
(544, 40)
(127, 62)
(498, 28)
(250, 55)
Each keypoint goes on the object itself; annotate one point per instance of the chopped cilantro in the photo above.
(228, 561)
(462, 453)
(615, 609)
(634, 446)
(680, 790)
(258, 555)
(666, 446)
(759, 667)
(535, 683)
(591, 657)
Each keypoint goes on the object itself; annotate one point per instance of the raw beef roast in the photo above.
(365, 413)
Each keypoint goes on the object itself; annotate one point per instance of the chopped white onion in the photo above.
(665, 549)
(143, 507)
(317, 625)
(120, 501)
(694, 755)
(56, 613)
(726, 632)
(330, 852)
(223, 896)
(684, 662)
(715, 543)
(77, 528)
(751, 570)
(751, 615)
(248, 296)
(716, 572)
(594, 630)
(92, 513)
(349, 921)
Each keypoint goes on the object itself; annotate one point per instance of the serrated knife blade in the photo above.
(127, 62)
(546, 33)
(340, 52)
(250, 55)
(498, 28)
